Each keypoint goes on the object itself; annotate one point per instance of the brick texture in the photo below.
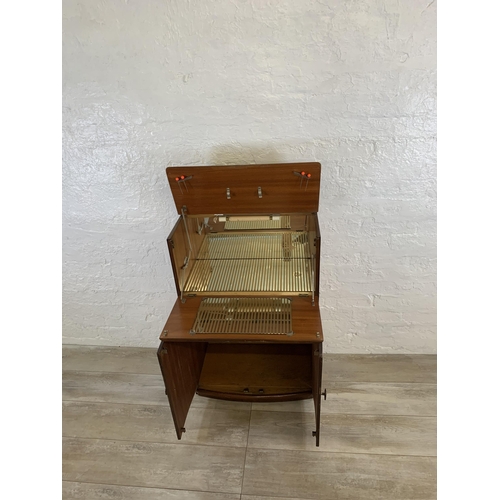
(350, 84)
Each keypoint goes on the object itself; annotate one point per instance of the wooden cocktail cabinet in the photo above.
(245, 253)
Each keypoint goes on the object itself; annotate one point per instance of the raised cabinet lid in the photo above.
(246, 189)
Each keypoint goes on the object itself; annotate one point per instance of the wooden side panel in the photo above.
(179, 248)
(181, 365)
(205, 190)
(315, 245)
(176, 248)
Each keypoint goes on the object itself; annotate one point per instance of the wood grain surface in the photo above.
(282, 190)
(306, 323)
(377, 440)
(381, 368)
(89, 491)
(110, 359)
(181, 365)
(377, 434)
(126, 422)
(327, 476)
(157, 465)
(270, 368)
(130, 388)
(369, 399)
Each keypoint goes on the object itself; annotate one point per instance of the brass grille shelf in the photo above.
(277, 262)
(261, 316)
(247, 276)
(237, 225)
(273, 245)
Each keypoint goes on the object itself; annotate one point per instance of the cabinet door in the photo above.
(181, 364)
(317, 375)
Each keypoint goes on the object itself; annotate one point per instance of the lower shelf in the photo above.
(257, 372)
(255, 398)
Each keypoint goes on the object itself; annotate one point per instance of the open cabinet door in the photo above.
(317, 358)
(181, 364)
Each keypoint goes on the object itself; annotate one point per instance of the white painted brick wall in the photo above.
(352, 84)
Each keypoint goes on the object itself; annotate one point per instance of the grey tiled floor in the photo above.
(378, 434)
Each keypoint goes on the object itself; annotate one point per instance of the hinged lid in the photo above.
(246, 189)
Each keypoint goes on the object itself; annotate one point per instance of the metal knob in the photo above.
(259, 192)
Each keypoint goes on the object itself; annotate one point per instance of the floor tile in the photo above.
(302, 406)
(130, 388)
(398, 368)
(154, 424)
(380, 398)
(89, 491)
(328, 476)
(155, 465)
(110, 359)
(113, 388)
(386, 434)
(378, 434)
(209, 403)
(366, 398)
(253, 497)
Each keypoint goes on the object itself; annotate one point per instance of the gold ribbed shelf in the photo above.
(275, 262)
(272, 245)
(282, 223)
(263, 316)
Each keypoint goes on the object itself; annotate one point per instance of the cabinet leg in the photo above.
(316, 434)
